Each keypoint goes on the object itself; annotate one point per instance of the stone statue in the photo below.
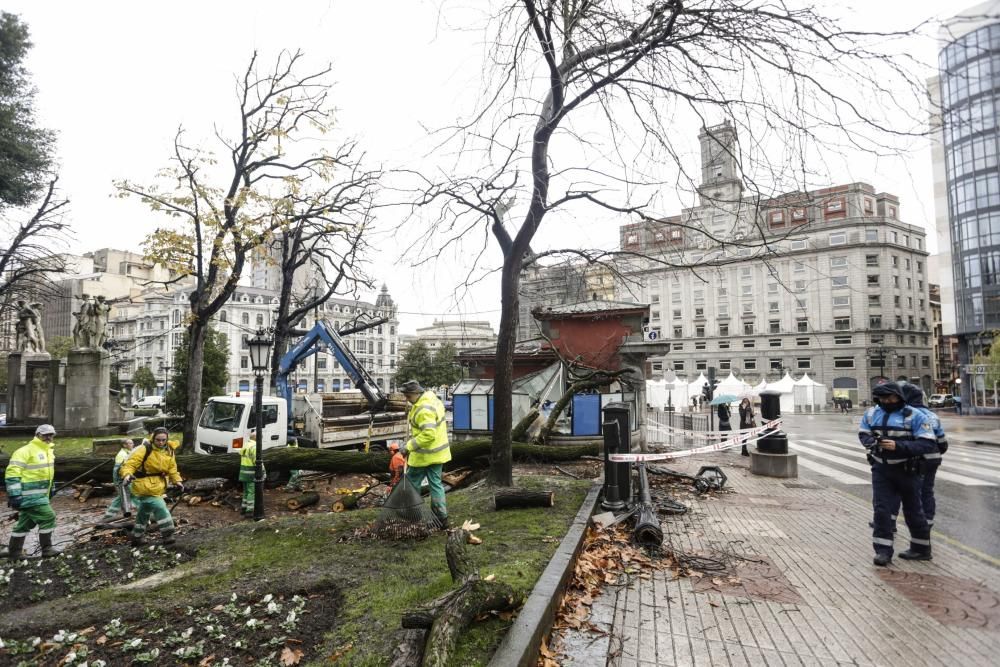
(99, 322)
(82, 327)
(30, 337)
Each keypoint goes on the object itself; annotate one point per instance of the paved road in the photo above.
(968, 482)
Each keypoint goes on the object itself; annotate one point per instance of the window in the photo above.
(906, 264)
(843, 340)
(245, 318)
(654, 298)
(895, 261)
(723, 291)
(894, 236)
(920, 267)
(772, 306)
(774, 342)
(675, 297)
(699, 331)
(799, 267)
(746, 290)
(871, 235)
(701, 364)
(777, 218)
(909, 283)
(925, 361)
(869, 205)
(838, 262)
(774, 364)
(699, 345)
(723, 344)
(676, 313)
(909, 302)
(631, 238)
(678, 332)
(678, 347)
(871, 260)
(749, 364)
(838, 238)
(843, 362)
(802, 342)
(748, 308)
(802, 324)
(841, 301)
(772, 288)
(654, 314)
(838, 281)
(803, 363)
(834, 205)
(699, 296)
(774, 326)
(749, 343)
(875, 300)
(657, 367)
(798, 244)
(799, 213)
(745, 272)
(901, 361)
(842, 323)
(723, 329)
(800, 286)
(678, 365)
(321, 362)
(873, 280)
(699, 312)
(725, 364)
(244, 363)
(748, 328)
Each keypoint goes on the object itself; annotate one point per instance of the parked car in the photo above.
(941, 401)
(149, 402)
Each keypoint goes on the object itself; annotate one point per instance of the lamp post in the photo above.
(166, 378)
(260, 350)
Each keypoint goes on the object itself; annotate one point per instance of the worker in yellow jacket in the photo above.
(29, 479)
(427, 449)
(111, 513)
(248, 473)
(149, 470)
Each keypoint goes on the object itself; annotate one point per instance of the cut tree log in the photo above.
(476, 597)
(304, 500)
(471, 453)
(348, 501)
(510, 499)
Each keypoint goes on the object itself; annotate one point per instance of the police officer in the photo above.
(896, 438)
(914, 396)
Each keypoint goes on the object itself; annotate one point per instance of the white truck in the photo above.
(228, 422)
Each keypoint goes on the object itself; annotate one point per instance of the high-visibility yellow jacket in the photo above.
(30, 473)
(152, 479)
(428, 443)
(248, 461)
(120, 458)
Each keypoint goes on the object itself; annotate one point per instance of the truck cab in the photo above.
(228, 423)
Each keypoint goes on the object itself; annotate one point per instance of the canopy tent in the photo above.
(694, 387)
(808, 394)
(656, 394)
(759, 388)
(732, 385)
(676, 389)
(785, 386)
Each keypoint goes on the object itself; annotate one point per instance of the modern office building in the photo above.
(829, 282)
(967, 179)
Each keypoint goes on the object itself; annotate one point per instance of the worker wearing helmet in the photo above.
(148, 470)
(397, 465)
(29, 478)
(248, 475)
(111, 513)
(427, 449)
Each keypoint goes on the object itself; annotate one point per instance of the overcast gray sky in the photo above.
(116, 79)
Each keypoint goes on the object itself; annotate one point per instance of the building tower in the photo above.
(720, 166)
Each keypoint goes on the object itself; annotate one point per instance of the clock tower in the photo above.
(720, 169)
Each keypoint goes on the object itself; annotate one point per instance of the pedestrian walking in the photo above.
(747, 420)
(914, 396)
(117, 504)
(723, 414)
(427, 449)
(148, 470)
(29, 478)
(896, 438)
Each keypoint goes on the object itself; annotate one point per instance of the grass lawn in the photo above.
(361, 587)
(68, 446)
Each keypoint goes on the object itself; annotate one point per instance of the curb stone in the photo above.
(521, 645)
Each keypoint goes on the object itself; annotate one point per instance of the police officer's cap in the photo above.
(411, 387)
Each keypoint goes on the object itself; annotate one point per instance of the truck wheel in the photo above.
(306, 442)
(379, 446)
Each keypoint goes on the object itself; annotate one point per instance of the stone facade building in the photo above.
(462, 334)
(830, 282)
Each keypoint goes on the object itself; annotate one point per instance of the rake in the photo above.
(404, 515)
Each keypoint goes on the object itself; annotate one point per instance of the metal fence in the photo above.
(666, 428)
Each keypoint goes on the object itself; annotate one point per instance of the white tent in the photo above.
(785, 386)
(809, 395)
(761, 387)
(694, 387)
(656, 394)
(732, 385)
(676, 390)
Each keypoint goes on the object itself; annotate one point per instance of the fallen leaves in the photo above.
(290, 656)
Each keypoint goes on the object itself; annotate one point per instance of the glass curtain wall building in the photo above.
(969, 89)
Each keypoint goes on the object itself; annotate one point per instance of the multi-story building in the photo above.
(265, 270)
(967, 178)
(945, 357)
(462, 334)
(830, 282)
(559, 285)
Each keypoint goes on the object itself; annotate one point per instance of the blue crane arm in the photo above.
(324, 335)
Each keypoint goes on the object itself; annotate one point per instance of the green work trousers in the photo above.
(28, 517)
(249, 496)
(116, 504)
(433, 475)
(155, 506)
(294, 481)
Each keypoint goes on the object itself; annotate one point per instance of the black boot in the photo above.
(45, 541)
(883, 559)
(744, 451)
(912, 554)
(15, 547)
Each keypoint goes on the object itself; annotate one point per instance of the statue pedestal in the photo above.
(28, 384)
(88, 378)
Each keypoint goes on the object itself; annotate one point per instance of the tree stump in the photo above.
(509, 499)
(305, 500)
(346, 502)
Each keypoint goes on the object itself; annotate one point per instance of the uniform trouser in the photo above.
(432, 473)
(28, 517)
(249, 488)
(891, 486)
(116, 504)
(294, 481)
(156, 507)
(927, 500)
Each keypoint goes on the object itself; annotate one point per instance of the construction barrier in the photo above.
(738, 438)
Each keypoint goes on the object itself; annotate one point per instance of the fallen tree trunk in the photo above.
(512, 499)
(201, 466)
(348, 501)
(305, 500)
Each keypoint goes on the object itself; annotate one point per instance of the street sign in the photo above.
(980, 370)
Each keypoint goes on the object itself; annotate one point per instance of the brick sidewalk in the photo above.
(799, 589)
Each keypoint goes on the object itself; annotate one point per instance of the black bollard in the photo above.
(617, 440)
(775, 441)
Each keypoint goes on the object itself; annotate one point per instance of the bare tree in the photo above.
(31, 251)
(583, 109)
(331, 243)
(222, 213)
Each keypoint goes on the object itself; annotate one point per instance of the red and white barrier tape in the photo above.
(744, 437)
(706, 435)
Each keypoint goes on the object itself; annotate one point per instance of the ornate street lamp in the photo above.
(260, 351)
